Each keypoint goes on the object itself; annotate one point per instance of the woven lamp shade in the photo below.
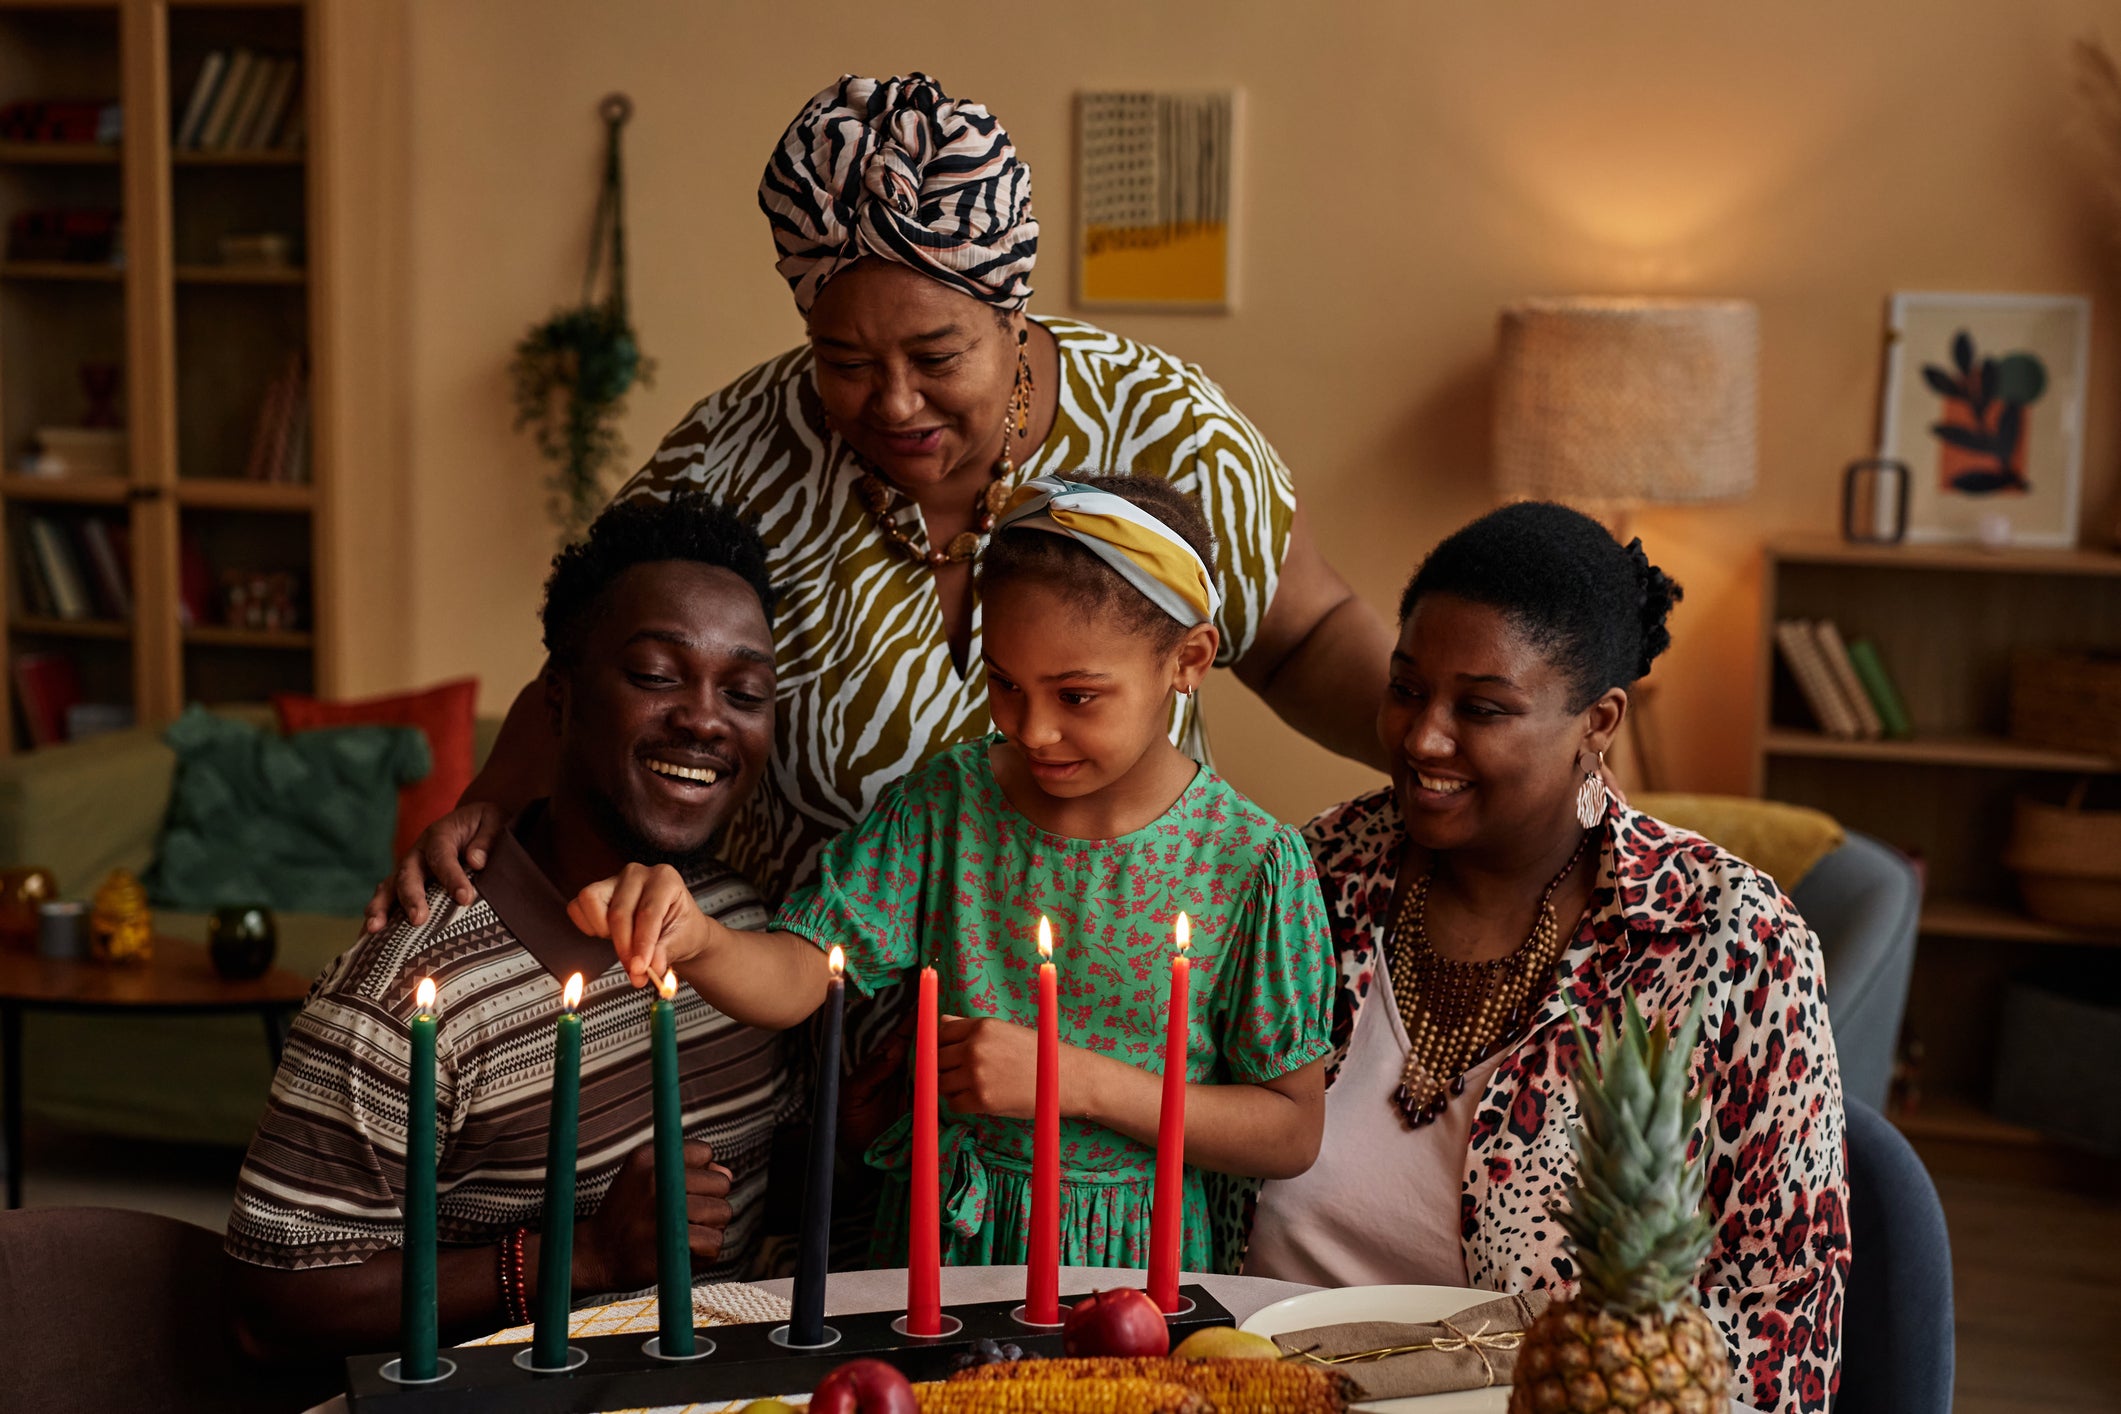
(1627, 401)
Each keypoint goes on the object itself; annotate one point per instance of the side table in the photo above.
(178, 980)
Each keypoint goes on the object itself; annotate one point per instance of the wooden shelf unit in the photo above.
(197, 344)
(1945, 620)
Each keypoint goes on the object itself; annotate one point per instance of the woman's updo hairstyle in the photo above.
(1059, 563)
(1596, 609)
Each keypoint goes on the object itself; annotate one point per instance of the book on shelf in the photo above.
(221, 112)
(277, 95)
(293, 131)
(203, 91)
(195, 584)
(47, 687)
(32, 595)
(279, 440)
(87, 719)
(62, 572)
(240, 118)
(113, 585)
(1836, 654)
(1884, 693)
(1800, 650)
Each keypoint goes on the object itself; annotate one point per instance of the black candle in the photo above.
(806, 1322)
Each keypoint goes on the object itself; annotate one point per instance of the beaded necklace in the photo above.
(1458, 1013)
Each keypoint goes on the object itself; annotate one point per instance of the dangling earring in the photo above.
(1020, 396)
(1591, 796)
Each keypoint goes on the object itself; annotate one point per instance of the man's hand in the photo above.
(460, 841)
(615, 1250)
(650, 917)
(987, 1067)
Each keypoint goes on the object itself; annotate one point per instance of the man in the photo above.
(659, 694)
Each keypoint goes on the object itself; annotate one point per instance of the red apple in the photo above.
(1122, 1323)
(865, 1387)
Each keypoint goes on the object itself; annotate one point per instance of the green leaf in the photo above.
(2020, 378)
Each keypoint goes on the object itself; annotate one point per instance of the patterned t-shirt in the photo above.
(867, 688)
(945, 872)
(323, 1183)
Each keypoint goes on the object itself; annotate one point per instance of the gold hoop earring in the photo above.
(1592, 796)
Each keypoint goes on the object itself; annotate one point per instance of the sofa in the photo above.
(81, 810)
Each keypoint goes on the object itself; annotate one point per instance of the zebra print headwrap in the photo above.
(897, 168)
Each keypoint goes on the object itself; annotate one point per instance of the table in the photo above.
(179, 979)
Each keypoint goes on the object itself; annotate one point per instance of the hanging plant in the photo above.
(572, 372)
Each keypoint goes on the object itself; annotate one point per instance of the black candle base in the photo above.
(745, 1364)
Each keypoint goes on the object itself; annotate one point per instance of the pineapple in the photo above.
(1633, 1337)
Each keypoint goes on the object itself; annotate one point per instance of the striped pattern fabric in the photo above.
(897, 168)
(867, 686)
(323, 1182)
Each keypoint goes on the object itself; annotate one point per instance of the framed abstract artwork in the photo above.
(1984, 402)
(1156, 200)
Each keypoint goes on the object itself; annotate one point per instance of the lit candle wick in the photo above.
(1045, 939)
(424, 998)
(1183, 931)
(667, 988)
(573, 996)
(837, 961)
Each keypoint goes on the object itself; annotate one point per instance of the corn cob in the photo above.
(1064, 1395)
(1229, 1386)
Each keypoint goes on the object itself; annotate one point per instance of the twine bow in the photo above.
(1479, 1341)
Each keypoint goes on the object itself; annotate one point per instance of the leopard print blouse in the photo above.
(1670, 916)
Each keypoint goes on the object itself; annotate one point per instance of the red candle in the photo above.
(924, 1247)
(1167, 1223)
(1042, 1271)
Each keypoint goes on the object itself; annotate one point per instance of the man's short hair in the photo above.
(691, 525)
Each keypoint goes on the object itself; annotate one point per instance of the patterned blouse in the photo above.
(946, 872)
(867, 687)
(1670, 915)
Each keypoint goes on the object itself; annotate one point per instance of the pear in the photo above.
(1225, 1343)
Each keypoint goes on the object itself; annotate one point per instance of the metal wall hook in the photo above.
(616, 108)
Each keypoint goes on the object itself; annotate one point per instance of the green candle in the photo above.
(673, 1266)
(416, 1289)
(548, 1345)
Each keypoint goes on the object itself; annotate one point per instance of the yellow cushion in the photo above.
(1781, 841)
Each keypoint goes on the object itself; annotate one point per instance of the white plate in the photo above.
(1410, 1304)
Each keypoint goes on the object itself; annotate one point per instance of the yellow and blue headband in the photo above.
(1141, 549)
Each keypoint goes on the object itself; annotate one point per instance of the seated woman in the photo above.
(1494, 887)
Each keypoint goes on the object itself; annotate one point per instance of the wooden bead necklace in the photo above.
(880, 497)
(1457, 1013)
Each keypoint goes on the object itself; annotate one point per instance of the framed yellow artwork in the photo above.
(1155, 200)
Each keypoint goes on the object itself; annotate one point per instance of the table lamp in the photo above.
(1610, 404)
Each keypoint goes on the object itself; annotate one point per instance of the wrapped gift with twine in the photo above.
(1474, 1349)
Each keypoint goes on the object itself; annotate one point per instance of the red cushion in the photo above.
(444, 712)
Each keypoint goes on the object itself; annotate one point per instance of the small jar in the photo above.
(241, 939)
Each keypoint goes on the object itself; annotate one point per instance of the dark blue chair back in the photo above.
(1896, 1328)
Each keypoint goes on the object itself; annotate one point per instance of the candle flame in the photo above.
(425, 997)
(1045, 938)
(837, 961)
(1182, 932)
(573, 996)
(668, 987)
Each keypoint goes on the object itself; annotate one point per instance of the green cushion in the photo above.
(301, 821)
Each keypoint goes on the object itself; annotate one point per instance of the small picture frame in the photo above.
(1156, 200)
(1984, 402)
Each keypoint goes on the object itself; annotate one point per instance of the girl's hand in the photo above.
(650, 917)
(986, 1067)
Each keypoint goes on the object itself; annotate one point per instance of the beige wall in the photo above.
(1407, 169)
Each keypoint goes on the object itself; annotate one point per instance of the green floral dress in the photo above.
(946, 872)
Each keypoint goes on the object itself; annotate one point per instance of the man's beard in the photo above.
(612, 827)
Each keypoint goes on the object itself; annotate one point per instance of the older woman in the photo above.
(876, 454)
(1494, 886)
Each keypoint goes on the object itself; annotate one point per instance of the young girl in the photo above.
(1098, 606)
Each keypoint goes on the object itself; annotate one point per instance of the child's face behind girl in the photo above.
(1083, 701)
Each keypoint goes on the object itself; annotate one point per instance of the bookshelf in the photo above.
(1945, 620)
(217, 499)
